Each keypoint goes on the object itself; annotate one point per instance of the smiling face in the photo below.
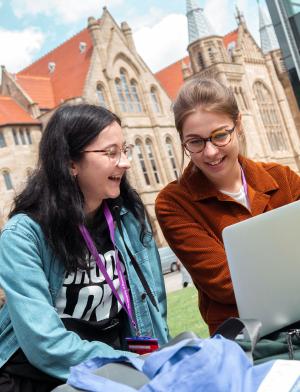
(219, 164)
(98, 175)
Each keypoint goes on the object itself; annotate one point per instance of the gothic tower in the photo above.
(270, 48)
(256, 77)
(205, 46)
(268, 38)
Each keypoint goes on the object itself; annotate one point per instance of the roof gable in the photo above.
(11, 113)
(251, 51)
(69, 75)
(39, 88)
(171, 77)
(230, 40)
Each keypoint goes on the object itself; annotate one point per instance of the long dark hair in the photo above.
(52, 196)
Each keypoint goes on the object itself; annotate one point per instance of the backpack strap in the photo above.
(233, 326)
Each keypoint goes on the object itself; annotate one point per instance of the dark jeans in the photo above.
(18, 375)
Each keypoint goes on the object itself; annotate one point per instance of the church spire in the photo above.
(239, 16)
(198, 25)
(268, 39)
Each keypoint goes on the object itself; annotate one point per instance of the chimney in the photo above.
(82, 47)
(51, 66)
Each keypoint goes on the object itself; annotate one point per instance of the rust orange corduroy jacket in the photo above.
(192, 214)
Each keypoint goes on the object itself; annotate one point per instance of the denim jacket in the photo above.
(32, 276)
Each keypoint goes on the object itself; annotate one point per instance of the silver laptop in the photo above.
(263, 254)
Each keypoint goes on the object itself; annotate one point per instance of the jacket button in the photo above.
(143, 296)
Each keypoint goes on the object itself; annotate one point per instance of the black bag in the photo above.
(281, 344)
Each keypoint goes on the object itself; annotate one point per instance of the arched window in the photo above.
(28, 135)
(154, 100)
(141, 159)
(7, 179)
(101, 95)
(200, 60)
(210, 51)
(126, 91)
(2, 140)
(172, 157)
(121, 97)
(15, 136)
(269, 117)
(21, 132)
(150, 153)
(135, 96)
(128, 94)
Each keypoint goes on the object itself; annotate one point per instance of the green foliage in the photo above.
(183, 313)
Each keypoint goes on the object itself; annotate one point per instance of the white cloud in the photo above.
(138, 21)
(220, 21)
(163, 43)
(224, 21)
(18, 47)
(67, 11)
(249, 9)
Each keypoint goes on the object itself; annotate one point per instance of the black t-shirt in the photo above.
(86, 303)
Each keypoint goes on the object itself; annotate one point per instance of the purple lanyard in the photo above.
(126, 305)
(245, 186)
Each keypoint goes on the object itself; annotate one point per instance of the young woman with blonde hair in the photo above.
(219, 187)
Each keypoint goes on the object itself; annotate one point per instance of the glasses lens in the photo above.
(127, 150)
(195, 145)
(220, 138)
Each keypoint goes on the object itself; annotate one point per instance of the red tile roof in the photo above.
(230, 37)
(11, 113)
(171, 77)
(39, 89)
(70, 72)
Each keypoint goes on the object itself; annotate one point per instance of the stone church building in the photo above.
(257, 76)
(100, 65)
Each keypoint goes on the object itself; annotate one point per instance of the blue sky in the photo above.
(31, 28)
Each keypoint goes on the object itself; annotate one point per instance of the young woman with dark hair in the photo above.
(219, 187)
(78, 263)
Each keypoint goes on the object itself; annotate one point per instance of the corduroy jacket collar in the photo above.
(200, 187)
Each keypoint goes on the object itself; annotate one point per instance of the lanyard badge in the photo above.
(244, 182)
(142, 344)
(138, 344)
(126, 304)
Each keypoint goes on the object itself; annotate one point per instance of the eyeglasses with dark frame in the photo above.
(219, 138)
(114, 153)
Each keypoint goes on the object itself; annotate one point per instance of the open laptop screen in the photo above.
(263, 254)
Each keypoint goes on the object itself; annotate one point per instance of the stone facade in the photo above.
(262, 90)
(146, 117)
(17, 161)
(119, 79)
(18, 156)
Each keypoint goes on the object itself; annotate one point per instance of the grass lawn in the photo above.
(183, 313)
